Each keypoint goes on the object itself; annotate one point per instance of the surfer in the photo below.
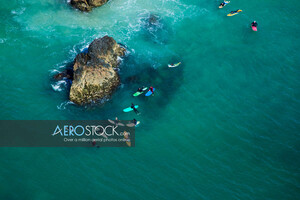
(224, 3)
(232, 13)
(142, 89)
(134, 121)
(174, 65)
(134, 109)
(94, 142)
(254, 24)
(116, 121)
(151, 89)
(237, 11)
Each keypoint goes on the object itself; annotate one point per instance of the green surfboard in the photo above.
(137, 94)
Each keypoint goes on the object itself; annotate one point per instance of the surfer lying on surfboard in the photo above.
(116, 122)
(254, 26)
(151, 89)
(234, 12)
(133, 123)
(174, 65)
(140, 91)
(224, 4)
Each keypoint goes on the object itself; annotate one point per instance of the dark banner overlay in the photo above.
(60, 133)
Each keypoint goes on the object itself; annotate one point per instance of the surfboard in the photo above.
(137, 123)
(229, 15)
(113, 122)
(130, 109)
(175, 65)
(254, 28)
(132, 124)
(149, 92)
(139, 93)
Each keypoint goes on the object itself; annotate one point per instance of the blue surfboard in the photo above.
(149, 92)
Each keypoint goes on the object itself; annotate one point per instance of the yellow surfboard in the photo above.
(232, 14)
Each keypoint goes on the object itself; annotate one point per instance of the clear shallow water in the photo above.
(225, 125)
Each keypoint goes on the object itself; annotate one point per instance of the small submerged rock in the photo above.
(95, 72)
(62, 80)
(153, 19)
(67, 74)
(87, 5)
(154, 28)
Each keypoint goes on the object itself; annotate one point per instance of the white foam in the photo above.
(64, 105)
(18, 11)
(59, 85)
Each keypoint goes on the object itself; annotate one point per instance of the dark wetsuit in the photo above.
(134, 121)
(116, 121)
(254, 24)
(134, 109)
(234, 11)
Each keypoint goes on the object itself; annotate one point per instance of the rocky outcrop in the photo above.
(95, 72)
(87, 5)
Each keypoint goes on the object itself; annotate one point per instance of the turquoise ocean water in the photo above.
(223, 125)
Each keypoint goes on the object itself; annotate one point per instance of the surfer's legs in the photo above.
(136, 111)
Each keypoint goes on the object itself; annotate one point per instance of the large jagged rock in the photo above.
(95, 72)
(87, 5)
